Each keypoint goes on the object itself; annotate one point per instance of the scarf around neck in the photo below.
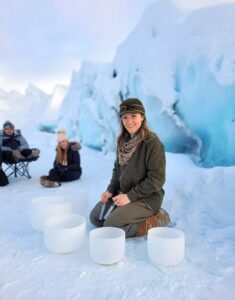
(127, 149)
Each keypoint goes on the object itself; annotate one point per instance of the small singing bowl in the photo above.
(166, 246)
(107, 245)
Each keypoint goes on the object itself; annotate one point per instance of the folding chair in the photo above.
(21, 167)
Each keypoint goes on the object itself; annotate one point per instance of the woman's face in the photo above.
(132, 122)
(64, 144)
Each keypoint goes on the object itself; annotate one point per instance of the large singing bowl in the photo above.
(64, 233)
(79, 201)
(45, 206)
(107, 245)
(166, 246)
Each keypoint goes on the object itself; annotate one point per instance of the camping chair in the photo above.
(21, 167)
(18, 167)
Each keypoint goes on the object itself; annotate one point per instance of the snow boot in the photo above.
(160, 219)
(49, 183)
(35, 153)
(16, 154)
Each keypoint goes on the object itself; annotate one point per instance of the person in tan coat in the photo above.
(134, 196)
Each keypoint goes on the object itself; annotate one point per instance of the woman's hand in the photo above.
(121, 200)
(105, 197)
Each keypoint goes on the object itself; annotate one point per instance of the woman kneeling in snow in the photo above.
(66, 165)
(134, 196)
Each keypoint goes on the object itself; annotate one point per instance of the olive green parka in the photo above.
(143, 177)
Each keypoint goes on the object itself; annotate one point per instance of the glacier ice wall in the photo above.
(182, 66)
(49, 118)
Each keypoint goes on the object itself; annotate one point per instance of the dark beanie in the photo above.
(8, 124)
(132, 106)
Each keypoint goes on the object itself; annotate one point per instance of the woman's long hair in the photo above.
(143, 132)
(61, 155)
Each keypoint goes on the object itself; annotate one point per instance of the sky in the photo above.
(43, 41)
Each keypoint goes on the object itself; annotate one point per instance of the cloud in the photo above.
(196, 4)
(40, 39)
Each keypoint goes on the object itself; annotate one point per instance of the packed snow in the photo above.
(200, 202)
(188, 91)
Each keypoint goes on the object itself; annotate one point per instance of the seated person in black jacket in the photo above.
(14, 146)
(66, 165)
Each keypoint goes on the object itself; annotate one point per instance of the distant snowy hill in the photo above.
(182, 66)
(28, 106)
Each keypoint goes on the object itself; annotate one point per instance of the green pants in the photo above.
(126, 217)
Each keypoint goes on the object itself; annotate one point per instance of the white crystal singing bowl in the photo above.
(45, 206)
(64, 233)
(166, 246)
(107, 245)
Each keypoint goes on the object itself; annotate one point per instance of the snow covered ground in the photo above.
(200, 202)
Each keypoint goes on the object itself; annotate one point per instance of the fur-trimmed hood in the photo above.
(75, 146)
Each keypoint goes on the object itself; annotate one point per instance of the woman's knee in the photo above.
(113, 220)
(94, 216)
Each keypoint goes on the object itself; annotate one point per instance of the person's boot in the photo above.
(16, 154)
(35, 153)
(160, 219)
(48, 183)
(43, 179)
